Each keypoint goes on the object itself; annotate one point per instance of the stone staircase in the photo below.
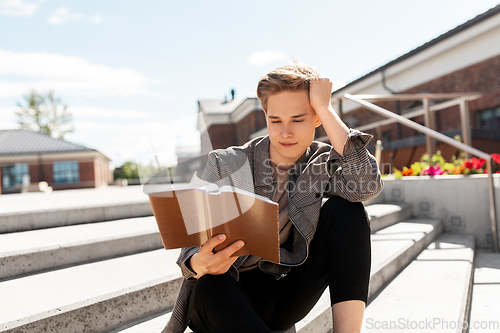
(92, 261)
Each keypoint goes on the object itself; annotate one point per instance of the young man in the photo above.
(321, 245)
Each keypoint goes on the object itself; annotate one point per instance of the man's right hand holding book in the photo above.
(208, 262)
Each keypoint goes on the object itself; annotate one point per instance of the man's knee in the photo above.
(339, 205)
(338, 210)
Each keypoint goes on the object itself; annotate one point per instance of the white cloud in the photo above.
(63, 15)
(70, 75)
(17, 8)
(96, 18)
(262, 58)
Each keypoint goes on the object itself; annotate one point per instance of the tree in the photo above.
(128, 171)
(44, 113)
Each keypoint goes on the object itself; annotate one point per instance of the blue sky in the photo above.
(126, 67)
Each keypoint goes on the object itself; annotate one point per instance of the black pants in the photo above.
(339, 257)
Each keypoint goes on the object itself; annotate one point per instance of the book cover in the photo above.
(190, 216)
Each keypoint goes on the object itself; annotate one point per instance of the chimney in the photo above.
(232, 94)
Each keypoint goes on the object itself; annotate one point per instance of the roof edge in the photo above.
(477, 19)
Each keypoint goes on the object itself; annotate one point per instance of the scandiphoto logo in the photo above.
(428, 324)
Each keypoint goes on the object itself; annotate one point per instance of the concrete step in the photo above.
(432, 293)
(37, 250)
(383, 215)
(42, 249)
(30, 211)
(93, 297)
(392, 248)
(154, 323)
(485, 308)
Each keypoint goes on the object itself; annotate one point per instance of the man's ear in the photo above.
(317, 122)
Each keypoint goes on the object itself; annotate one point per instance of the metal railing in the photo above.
(443, 138)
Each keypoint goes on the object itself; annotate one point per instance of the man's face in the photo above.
(291, 122)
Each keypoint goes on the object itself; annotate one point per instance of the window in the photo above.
(13, 174)
(66, 172)
(489, 118)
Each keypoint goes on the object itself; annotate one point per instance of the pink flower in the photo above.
(433, 171)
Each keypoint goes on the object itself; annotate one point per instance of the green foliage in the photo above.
(44, 113)
(128, 171)
(131, 170)
(397, 173)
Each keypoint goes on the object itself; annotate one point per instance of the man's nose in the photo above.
(286, 132)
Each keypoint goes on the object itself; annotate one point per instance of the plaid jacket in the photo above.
(320, 172)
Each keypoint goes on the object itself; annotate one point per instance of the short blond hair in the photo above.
(292, 77)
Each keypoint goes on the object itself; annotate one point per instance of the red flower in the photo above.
(475, 163)
(496, 157)
(478, 163)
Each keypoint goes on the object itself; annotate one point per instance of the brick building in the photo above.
(463, 60)
(231, 122)
(27, 158)
(466, 59)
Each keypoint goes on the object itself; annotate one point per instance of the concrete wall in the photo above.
(461, 202)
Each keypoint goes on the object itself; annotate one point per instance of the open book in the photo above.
(189, 216)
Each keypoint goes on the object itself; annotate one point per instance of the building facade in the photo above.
(28, 158)
(465, 59)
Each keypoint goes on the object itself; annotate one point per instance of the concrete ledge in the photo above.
(101, 314)
(37, 250)
(461, 202)
(395, 247)
(384, 215)
(431, 294)
(485, 307)
(38, 296)
(13, 222)
(155, 323)
(401, 243)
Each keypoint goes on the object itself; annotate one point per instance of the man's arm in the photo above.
(320, 91)
(357, 177)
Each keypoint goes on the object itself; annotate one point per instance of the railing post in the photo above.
(465, 124)
(378, 155)
(493, 211)
(429, 123)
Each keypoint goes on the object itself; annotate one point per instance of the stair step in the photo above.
(432, 293)
(385, 214)
(392, 247)
(485, 291)
(32, 251)
(94, 297)
(30, 211)
(155, 323)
